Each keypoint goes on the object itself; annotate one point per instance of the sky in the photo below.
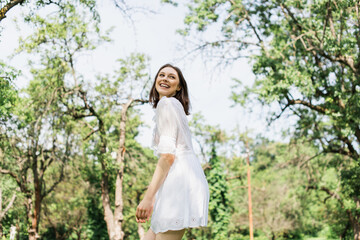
(154, 34)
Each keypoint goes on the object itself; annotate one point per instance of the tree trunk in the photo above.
(35, 215)
(343, 235)
(119, 204)
(108, 214)
(355, 220)
(114, 219)
(273, 237)
(33, 235)
(141, 231)
(35, 220)
(356, 229)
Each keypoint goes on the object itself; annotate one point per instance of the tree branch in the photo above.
(333, 195)
(64, 158)
(309, 159)
(90, 133)
(358, 25)
(3, 213)
(341, 151)
(8, 6)
(233, 178)
(292, 16)
(307, 104)
(54, 185)
(331, 21)
(281, 113)
(13, 175)
(140, 101)
(328, 191)
(347, 60)
(352, 152)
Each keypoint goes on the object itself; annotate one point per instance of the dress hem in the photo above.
(176, 228)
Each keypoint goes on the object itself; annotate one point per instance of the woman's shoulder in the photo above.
(170, 104)
(169, 101)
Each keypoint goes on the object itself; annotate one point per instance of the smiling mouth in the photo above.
(164, 85)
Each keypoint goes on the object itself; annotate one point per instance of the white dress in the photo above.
(183, 199)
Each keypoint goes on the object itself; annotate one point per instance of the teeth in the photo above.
(164, 85)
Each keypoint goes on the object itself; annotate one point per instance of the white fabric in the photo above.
(182, 200)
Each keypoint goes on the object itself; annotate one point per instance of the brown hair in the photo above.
(181, 95)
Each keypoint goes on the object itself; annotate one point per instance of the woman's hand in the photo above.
(144, 210)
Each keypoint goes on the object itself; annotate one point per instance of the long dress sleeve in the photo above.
(167, 126)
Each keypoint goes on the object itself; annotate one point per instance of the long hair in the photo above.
(181, 95)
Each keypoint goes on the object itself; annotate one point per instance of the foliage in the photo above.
(65, 127)
(305, 61)
(37, 145)
(219, 207)
(39, 141)
(284, 205)
(305, 58)
(70, 202)
(290, 188)
(9, 188)
(57, 41)
(7, 5)
(8, 91)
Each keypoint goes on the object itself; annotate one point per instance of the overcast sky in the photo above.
(155, 35)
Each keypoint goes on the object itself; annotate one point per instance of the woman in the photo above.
(178, 194)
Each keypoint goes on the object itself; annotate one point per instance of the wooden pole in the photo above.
(249, 192)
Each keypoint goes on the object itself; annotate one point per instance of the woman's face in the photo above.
(167, 82)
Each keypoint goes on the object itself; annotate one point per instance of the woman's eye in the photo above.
(161, 75)
(172, 77)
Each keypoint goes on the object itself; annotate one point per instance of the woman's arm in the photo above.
(144, 210)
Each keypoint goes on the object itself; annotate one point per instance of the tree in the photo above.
(219, 201)
(109, 108)
(101, 111)
(8, 92)
(65, 212)
(305, 58)
(28, 155)
(30, 158)
(278, 183)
